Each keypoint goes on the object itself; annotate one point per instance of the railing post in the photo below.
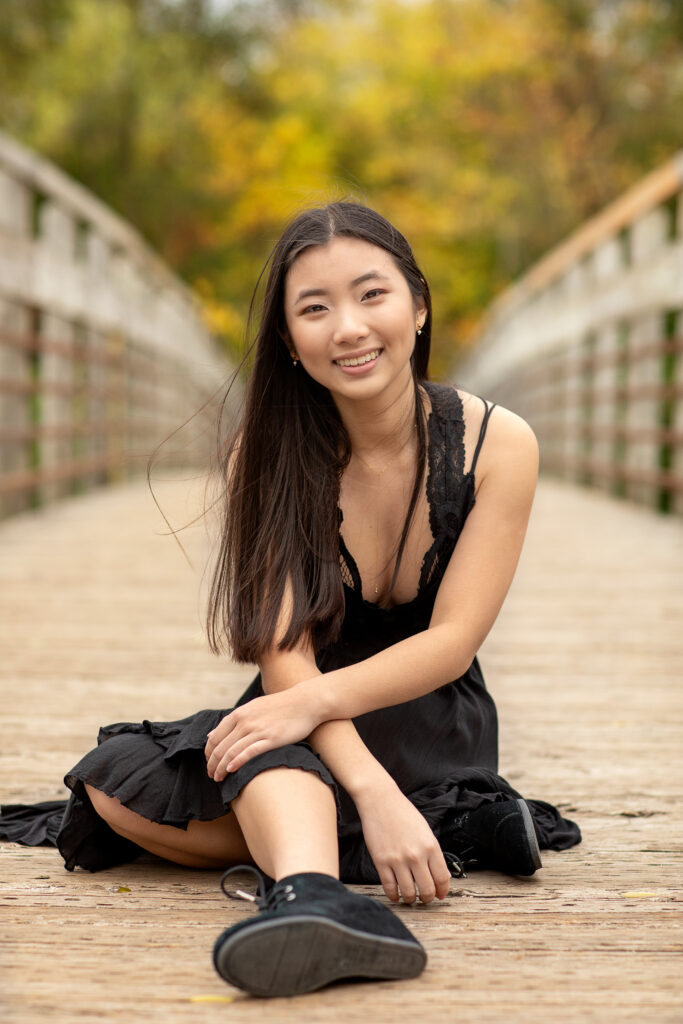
(604, 309)
(102, 349)
(604, 407)
(677, 417)
(59, 397)
(642, 409)
(16, 445)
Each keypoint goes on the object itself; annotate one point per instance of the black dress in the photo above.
(441, 749)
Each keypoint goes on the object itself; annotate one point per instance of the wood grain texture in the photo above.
(100, 621)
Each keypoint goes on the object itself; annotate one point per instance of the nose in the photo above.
(350, 326)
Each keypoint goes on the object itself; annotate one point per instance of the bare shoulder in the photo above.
(509, 431)
(510, 445)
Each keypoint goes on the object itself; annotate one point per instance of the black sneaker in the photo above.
(499, 835)
(312, 931)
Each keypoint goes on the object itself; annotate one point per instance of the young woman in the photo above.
(372, 525)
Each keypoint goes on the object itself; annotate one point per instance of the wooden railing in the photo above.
(103, 353)
(588, 347)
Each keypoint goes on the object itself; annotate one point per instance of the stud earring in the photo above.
(419, 327)
(295, 361)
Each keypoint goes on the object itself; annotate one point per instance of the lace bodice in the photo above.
(450, 496)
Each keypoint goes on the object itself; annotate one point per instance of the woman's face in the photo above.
(351, 318)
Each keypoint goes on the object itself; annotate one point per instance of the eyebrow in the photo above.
(371, 275)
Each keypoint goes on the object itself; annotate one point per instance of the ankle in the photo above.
(285, 867)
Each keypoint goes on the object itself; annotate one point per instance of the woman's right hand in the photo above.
(408, 858)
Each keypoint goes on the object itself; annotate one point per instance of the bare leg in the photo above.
(205, 844)
(284, 819)
(289, 821)
(311, 930)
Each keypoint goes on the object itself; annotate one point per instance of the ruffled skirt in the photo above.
(158, 770)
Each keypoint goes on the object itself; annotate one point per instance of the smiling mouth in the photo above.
(359, 360)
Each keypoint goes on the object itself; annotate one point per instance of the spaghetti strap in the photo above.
(482, 431)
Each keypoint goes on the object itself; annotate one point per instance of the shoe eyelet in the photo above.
(289, 888)
(290, 897)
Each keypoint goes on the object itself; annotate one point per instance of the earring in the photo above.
(295, 361)
(419, 327)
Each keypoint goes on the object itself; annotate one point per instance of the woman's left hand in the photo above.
(265, 723)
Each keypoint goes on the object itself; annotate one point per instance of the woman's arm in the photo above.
(337, 742)
(403, 848)
(471, 593)
(470, 596)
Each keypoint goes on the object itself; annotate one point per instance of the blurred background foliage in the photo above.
(486, 129)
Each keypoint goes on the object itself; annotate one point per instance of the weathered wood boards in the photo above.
(100, 621)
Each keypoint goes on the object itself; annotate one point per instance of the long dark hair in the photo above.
(282, 468)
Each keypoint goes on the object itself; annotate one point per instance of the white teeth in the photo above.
(360, 360)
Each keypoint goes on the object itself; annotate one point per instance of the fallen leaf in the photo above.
(638, 895)
(211, 999)
(123, 888)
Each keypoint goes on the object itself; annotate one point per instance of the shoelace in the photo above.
(466, 858)
(271, 899)
(455, 865)
(266, 899)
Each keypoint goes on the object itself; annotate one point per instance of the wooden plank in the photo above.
(101, 623)
(602, 472)
(88, 428)
(614, 431)
(26, 479)
(102, 353)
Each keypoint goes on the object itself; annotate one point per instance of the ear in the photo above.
(284, 334)
(420, 312)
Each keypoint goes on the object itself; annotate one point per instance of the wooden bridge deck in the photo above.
(99, 622)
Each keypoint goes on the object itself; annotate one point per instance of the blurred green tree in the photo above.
(487, 129)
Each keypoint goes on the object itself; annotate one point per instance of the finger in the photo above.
(389, 884)
(242, 743)
(226, 752)
(214, 756)
(424, 881)
(211, 745)
(217, 756)
(237, 760)
(406, 883)
(221, 748)
(227, 764)
(222, 729)
(217, 735)
(440, 874)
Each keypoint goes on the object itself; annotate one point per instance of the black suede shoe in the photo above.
(312, 931)
(499, 835)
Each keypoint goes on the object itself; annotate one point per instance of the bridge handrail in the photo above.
(103, 351)
(588, 347)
